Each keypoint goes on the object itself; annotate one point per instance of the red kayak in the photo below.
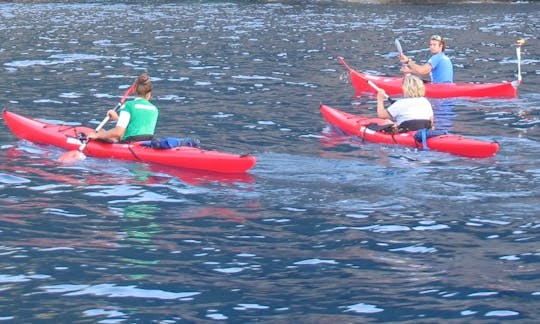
(392, 86)
(454, 144)
(65, 136)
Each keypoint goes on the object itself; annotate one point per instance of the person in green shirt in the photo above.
(136, 120)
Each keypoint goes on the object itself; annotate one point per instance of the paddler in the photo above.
(411, 113)
(439, 66)
(136, 119)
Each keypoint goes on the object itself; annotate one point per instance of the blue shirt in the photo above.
(442, 70)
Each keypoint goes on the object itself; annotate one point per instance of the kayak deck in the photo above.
(65, 137)
(455, 144)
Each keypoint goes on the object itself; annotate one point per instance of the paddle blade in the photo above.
(71, 157)
(398, 46)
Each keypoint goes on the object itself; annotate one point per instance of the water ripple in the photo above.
(115, 291)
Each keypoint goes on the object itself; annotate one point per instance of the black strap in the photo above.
(414, 124)
(130, 148)
(137, 138)
(377, 127)
(389, 129)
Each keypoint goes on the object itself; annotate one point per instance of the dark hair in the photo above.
(143, 85)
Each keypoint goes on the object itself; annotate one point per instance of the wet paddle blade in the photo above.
(71, 157)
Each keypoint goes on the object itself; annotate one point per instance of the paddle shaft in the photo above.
(374, 86)
(128, 92)
(518, 54)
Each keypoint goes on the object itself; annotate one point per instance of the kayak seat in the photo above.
(414, 125)
(387, 128)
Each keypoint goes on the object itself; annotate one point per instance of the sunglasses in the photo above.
(436, 37)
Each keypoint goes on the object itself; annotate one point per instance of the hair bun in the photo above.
(143, 78)
(143, 85)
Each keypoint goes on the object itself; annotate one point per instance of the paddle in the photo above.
(374, 86)
(360, 75)
(519, 42)
(398, 46)
(75, 155)
(399, 49)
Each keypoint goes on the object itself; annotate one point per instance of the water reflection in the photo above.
(444, 113)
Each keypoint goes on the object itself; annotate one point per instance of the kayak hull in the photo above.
(449, 143)
(65, 136)
(392, 87)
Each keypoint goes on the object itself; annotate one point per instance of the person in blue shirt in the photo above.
(439, 66)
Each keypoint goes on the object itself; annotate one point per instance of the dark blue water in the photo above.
(325, 228)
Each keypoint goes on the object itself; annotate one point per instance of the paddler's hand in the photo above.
(381, 95)
(403, 58)
(112, 114)
(405, 64)
(94, 135)
(406, 70)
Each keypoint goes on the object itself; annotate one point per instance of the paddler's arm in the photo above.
(116, 133)
(381, 110)
(113, 134)
(409, 66)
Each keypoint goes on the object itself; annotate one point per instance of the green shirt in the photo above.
(143, 117)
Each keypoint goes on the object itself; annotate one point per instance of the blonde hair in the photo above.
(413, 86)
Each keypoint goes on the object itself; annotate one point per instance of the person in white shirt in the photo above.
(411, 113)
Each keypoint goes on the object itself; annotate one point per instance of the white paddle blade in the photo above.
(518, 54)
(518, 44)
(398, 46)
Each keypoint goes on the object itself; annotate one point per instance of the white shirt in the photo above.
(410, 108)
(123, 119)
